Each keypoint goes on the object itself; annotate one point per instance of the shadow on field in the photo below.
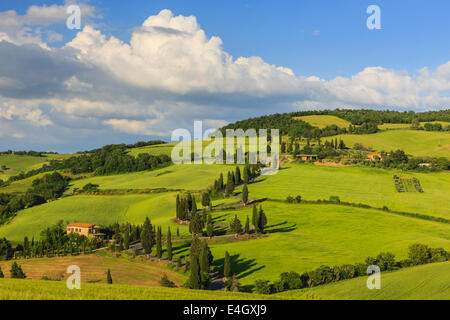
(241, 267)
(278, 227)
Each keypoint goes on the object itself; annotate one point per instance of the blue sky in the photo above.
(414, 33)
(138, 71)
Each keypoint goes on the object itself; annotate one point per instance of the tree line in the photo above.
(49, 187)
(417, 254)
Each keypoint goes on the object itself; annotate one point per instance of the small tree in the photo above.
(227, 265)
(109, 277)
(247, 226)
(245, 194)
(147, 236)
(17, 272)
(169, 245)
(165, 282)
(235, 225)
(1, 274)
(159, 243)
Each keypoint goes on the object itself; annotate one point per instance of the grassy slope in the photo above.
(417, 143)
(17, 164)
(302, 237)
(357, 184)
(390, 126)
(192, 177)
(431, 281)
(102, 210)
(322, 121)
(12, 289)
(93, 268)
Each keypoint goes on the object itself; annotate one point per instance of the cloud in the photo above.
(27, 28)
(98, 89)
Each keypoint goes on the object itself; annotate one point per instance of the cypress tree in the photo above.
(178, 206)
(169, 246)
(238, 175)
(230, 185)
(246, 174)
(1, 274)
(147, 236)
(159, 243)
(235, 225)
(17, 272)
(262, 220)
(254, 217)
(178, 232)
(204, 258)
(221, 182)
(195, 277)
(109, 277)
(227, 265)
(247, 226)
(189, 202)
(245, 194)
(194, 206)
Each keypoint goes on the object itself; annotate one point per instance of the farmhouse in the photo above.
(307, 157)
(374, 156)
(84, 229)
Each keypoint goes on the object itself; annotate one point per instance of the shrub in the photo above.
(165, 282)
(262, 287)
(418, 253)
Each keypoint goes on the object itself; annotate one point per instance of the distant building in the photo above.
(424, 165)
(374, 156)
(307, 157)
(84, 229)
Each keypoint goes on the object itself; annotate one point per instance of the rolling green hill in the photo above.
(192, 177)
(417, 143)
(356, 184)
(302, 237)
(321, 121)
(13, 289)
(16, 163)
(426, 282)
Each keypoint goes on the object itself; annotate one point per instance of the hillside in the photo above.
(321, 121)
(125, 269)
(426, 282)
(12, 289)
(417, 143)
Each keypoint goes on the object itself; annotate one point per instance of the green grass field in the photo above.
(192, 177)
(301, 237)
(417, 143)
(321, 121)
(102, 210)
(17, 164)
(426, 282)
(12, 289)
(393, 126)
(356, 184)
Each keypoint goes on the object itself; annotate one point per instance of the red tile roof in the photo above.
(80, 225)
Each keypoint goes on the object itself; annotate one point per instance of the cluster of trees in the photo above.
(200, 260)
(186, 210)
(110, 159)
(235, 178)
(400, 160)
(435, 127)
(26, 153)
(49, 187)
(327, 149)
(151, 236)
(55, 241)
(358, 117)
(417, 254)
